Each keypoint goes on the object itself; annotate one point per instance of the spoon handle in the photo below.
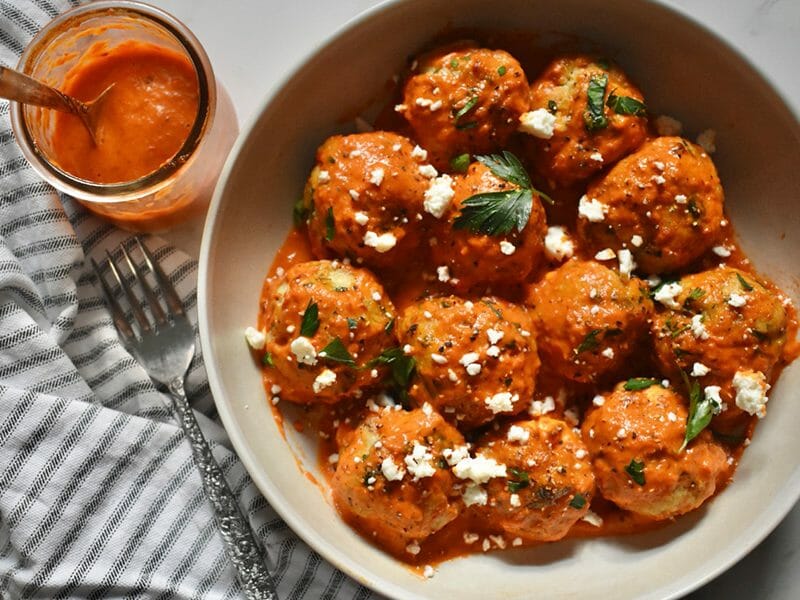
(27, 90)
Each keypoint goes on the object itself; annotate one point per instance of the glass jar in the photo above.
(181, 187)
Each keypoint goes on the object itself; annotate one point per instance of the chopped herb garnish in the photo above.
(389, 326)
(693, 208)
(578, 501)
(552, 106)
(453, 63)
(467, 125)
(519, 480)
(507, 167)
(402, 366)
(493, 307)
(460, 163)
(371, 477)
(594, 116)
(471, 102)
(352, 323)
(330, 230)
(266, 360)
(746, 285)
(310, 321)
(640, 383)
(300, 213)
(695, 294)
(636, 470)
(337, 352)
(501, 70)
(701, 409)
(625, 105)
(590, 342)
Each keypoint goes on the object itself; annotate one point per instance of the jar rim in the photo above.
(90, 191)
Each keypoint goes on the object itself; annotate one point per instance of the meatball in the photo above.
(478, 259)
(391, 473)
(588, 319)
(465, 100)
(713, 324)
(325, 320)
(571, 142)
(475, 360)
(664, 203)
(364, 198)
(635, 439)
(549, 482)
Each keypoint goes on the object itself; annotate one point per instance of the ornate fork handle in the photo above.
(242, 547)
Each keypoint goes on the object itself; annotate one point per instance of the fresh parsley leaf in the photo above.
(501, 70)
(552, 106)
(636, 470)
(352, 323)
(300, 213)
(470, 104)
(625, 105)
(337, 352)
(696, 294)
(640, 383)
(310, 321)
(401, 365)
(701, 409)
(519, 480)
(507, 167)
(746, 285)
(590, 342)
(493, 307)
(460, 163)
(330, 230)
(578, 501)
(495, 213)
(266, 360)
(594, 116)
(453, 63)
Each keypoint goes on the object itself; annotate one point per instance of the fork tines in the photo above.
(174, 305)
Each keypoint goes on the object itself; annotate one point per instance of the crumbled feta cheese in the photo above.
(581, 453)
(275, 389)
(255, 338)
(391, 471)
(542, 407)
(323, 177)
(474, 494)
(596, 156)
(518, 434)
(361, 218)
(658, 179)
(438, 358)
(493, 351)
(698, 329)
(479, 469)
(443, 273)
(737, 300)
(419, 153)
(626, 263)
(397, 147)
(507, 248)
(636, 241)
(400, 107)
(514, 501)
(438, 195)
(517, 541)
(376, 176)
(539, 123)
(592, 209)
(598, 400)
(424, 102)
(325, 379)
(469, 358)
(428, 171)
(721, 251)
(751, 392)
(494, 335)
(707, 141)
(427, 409)
(622, 433)
(699, 370)
(428, 572)
(353, 194)
(413, 548)
(304, 351)
(473, 369)
(382, 243)
(608, 352)
(455, 455)
(592, 518)
(470, 538)
(557, 244)
(667, 126)
(667, 293)
(435, 105)
(333, 458)
(672, 417)
(605, 254)
(376, 296)
(419, 463)
(501, 402)
(712, 393)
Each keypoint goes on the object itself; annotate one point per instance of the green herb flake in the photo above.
(266, 360)
(519, 480)
(636, 470)
(310, 320)
(594, 117)
(590, 342)
(454, 63)
(401, 365)
(701, 409)
(501, 70)
(467, 125)
(460, 163)
(330, 229)
(694, 209)
(300, 213)
(696, 294)
(625, 105)
(352, 323)
(389, 326)
(746, 285)
(337, 352)
(552, 106)
(470, 104)
(636, 384)
(507, 167)
(578, 501)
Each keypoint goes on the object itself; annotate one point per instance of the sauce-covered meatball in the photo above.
(364, 197)
(549, 482)
(664, 203)
(717, 324)
(467, 100)
(474, 258)
(391, 474)
(324, 321)
(475, 360)
(635, 438)
(578, 120)
(588, 319)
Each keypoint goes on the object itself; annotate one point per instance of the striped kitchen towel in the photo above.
(99, 496)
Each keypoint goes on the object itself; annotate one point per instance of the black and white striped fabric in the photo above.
(99, 497)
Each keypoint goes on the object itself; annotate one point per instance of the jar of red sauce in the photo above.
(165, 128)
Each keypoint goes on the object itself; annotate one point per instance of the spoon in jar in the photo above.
(27, 90)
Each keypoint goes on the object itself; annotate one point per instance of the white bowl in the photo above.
(685, 71)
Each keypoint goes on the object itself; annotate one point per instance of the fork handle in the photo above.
(22, 88)
(239, 541)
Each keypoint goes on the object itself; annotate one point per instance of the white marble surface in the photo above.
(254, 44)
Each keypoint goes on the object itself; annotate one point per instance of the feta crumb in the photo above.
(737, 300)
(382, 243)
(539, 123)
(721, 251)
(424, 102)
(469, 358)
(391, 471)
(622, 433)
(698, 329)
(712, 393)
(667, 126)
(397, 147)
(304, 351)
(255, 338)
(376, 176)
(596, 156)
(608, 352)
(438, 358)
(593, 518)
(626, 263)
(751, 392)
(435, 105)
(438, 195)
(501, 402)
(323, 177)
(658, 179)
(361, 218)
(680, 199)
(428, 572)
(474, 494)
(374, 373)
(667, 293)
(517, 541)
(275, 389)
(592, 209)
(699, 370)
(493, 351)
(707, 141)
(486, 544)
(606, 254)
(325, 379)
(353, 194)
(514, 501)
(413, 548)
(557, 244)
(400, 107)
(443, 273)
(507, 248)
(494, 335)
(333, 458)
(428, 171)
(672, 417)
(473, 369)
(518, 434)
(479, 469)
(418, 462)
(598, 400)
(542, 407)
(455, 455)
(419, 153)
(580, 453)
(471, 538)
(636, 241)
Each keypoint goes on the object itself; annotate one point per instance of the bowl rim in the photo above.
(680, 586)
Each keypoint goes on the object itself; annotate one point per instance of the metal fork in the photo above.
(165, 349)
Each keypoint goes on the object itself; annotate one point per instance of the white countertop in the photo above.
(254, 44)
